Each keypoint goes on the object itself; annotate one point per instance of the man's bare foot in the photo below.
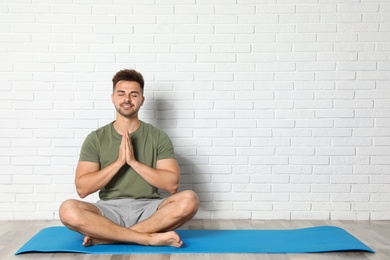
(90, 241)
(170, 238)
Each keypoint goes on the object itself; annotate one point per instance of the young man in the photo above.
(127, 161)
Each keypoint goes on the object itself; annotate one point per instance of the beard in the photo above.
(128, 113)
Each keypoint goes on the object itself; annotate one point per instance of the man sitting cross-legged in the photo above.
(127, 161)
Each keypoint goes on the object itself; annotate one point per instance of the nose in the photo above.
(127, 99)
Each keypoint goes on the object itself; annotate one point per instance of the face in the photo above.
(127, 98)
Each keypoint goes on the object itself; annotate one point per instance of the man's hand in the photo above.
(130, 158)
(122, 150)
(126, 150)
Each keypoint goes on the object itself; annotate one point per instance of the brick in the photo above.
(17, 18)
(271, 215)
(179, 19)
(274, 142)
(231, 215)
(336, 151)
(217, 206)
(240, 67)
(267, 160)
(234, 9)
(381, 141)
(231, 179)
(318, 8)
(17, 189)
(252, 133)
(310, 197)
(72, 9)
(271, 197)
(235, 48)
(349, 179)
(237, 105)
(194, 29)
(232, 197)
(380, 215)
(316, 28)
(310, 215)
(299, 18)
(215, 38)
(206, 76)
(250, 206)
(334, 188)
(295, 114)
(314, 123)
(289, 206)
(258, 19)
(354, 8)
(343, 215)
(310, 142)
(216, 57)
(197, 10)
(189, 48)
(296, 188)
(234, 28)
(298, 160)
(294, 151)
(250, 151)
(304, 85)
(216, 151)
(269, 178)
(28, 8)
(348, 160)
(95, 19)
(23, 198)
(251, 169)
(292, 132)
(332, 169)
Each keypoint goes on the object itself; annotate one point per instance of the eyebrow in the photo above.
(132, 92)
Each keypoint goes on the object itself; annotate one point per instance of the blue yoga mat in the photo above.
(305, 240)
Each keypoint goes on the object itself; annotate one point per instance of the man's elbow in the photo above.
(82, 192)
(173, 189)
(82, 195)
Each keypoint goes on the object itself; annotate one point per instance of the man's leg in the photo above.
(173, 212)
(87, 219)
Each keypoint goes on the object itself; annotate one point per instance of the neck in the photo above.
(122, 124)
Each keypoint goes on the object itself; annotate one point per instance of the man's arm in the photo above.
(89, 178)
(165, 176)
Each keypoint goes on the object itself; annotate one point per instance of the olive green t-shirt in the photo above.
(150, 145)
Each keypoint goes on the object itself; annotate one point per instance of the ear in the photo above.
(143, 100)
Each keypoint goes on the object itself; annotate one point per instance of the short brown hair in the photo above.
(128, 75)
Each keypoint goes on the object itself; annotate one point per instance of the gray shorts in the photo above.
(127, 212)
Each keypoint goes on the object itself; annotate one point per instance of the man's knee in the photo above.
(189, 202)
(69, 213)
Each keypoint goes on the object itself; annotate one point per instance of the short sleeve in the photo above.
(89, 149)
(165, 147)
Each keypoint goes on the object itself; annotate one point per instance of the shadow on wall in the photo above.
(161, 114)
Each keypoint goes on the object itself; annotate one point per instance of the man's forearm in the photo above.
(163, 179)
(91, 182)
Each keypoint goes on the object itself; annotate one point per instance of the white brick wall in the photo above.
(278, 109)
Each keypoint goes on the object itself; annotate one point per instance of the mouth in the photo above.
(126, 105)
